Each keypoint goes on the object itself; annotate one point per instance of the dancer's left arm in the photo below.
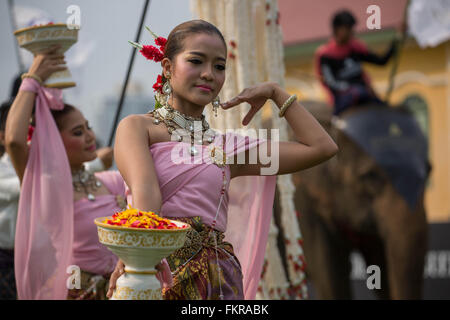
(313, 145)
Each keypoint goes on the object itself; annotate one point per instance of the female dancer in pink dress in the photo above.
(156, 167)
(55, 226)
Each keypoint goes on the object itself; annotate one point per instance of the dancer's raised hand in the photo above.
(47, 62)
(256, 96)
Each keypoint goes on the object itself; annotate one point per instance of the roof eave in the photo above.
(305, 50)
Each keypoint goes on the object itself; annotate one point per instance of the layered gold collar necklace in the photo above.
(173, 118)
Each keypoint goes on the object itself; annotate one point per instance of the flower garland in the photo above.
(292, 234)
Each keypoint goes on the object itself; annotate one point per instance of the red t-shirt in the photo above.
(339, 66)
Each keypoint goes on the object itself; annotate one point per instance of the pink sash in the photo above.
(44, 232)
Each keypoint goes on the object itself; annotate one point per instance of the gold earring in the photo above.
(215, 103)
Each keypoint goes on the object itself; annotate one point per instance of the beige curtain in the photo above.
(255, 54)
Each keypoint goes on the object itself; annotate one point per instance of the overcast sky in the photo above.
(106, 26)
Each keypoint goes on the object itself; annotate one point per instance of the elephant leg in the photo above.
(405, 240)
(327, 258)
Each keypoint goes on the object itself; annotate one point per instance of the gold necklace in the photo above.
(173, 118)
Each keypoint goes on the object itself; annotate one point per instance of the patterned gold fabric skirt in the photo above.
(202, 273)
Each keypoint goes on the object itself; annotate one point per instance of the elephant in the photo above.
(350, 203)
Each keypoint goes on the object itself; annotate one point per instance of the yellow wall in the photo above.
(425, 72)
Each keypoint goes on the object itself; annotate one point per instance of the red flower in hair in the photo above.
(161, 42)
(152, 53)
(159, 56)
(155, 54)
(158, 84)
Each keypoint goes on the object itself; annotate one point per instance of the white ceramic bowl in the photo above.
(140, 250)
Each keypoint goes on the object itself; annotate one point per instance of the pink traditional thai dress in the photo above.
(191, 193)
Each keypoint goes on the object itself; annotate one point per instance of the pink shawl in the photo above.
(250, 209)
(44, 231)
(249, 213)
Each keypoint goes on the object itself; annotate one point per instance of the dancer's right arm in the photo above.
(135, 163)
(16, 130)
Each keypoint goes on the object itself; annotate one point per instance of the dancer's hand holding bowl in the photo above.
(47, 62)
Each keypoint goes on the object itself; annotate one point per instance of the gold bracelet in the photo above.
(32, 76)
(286, 105)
